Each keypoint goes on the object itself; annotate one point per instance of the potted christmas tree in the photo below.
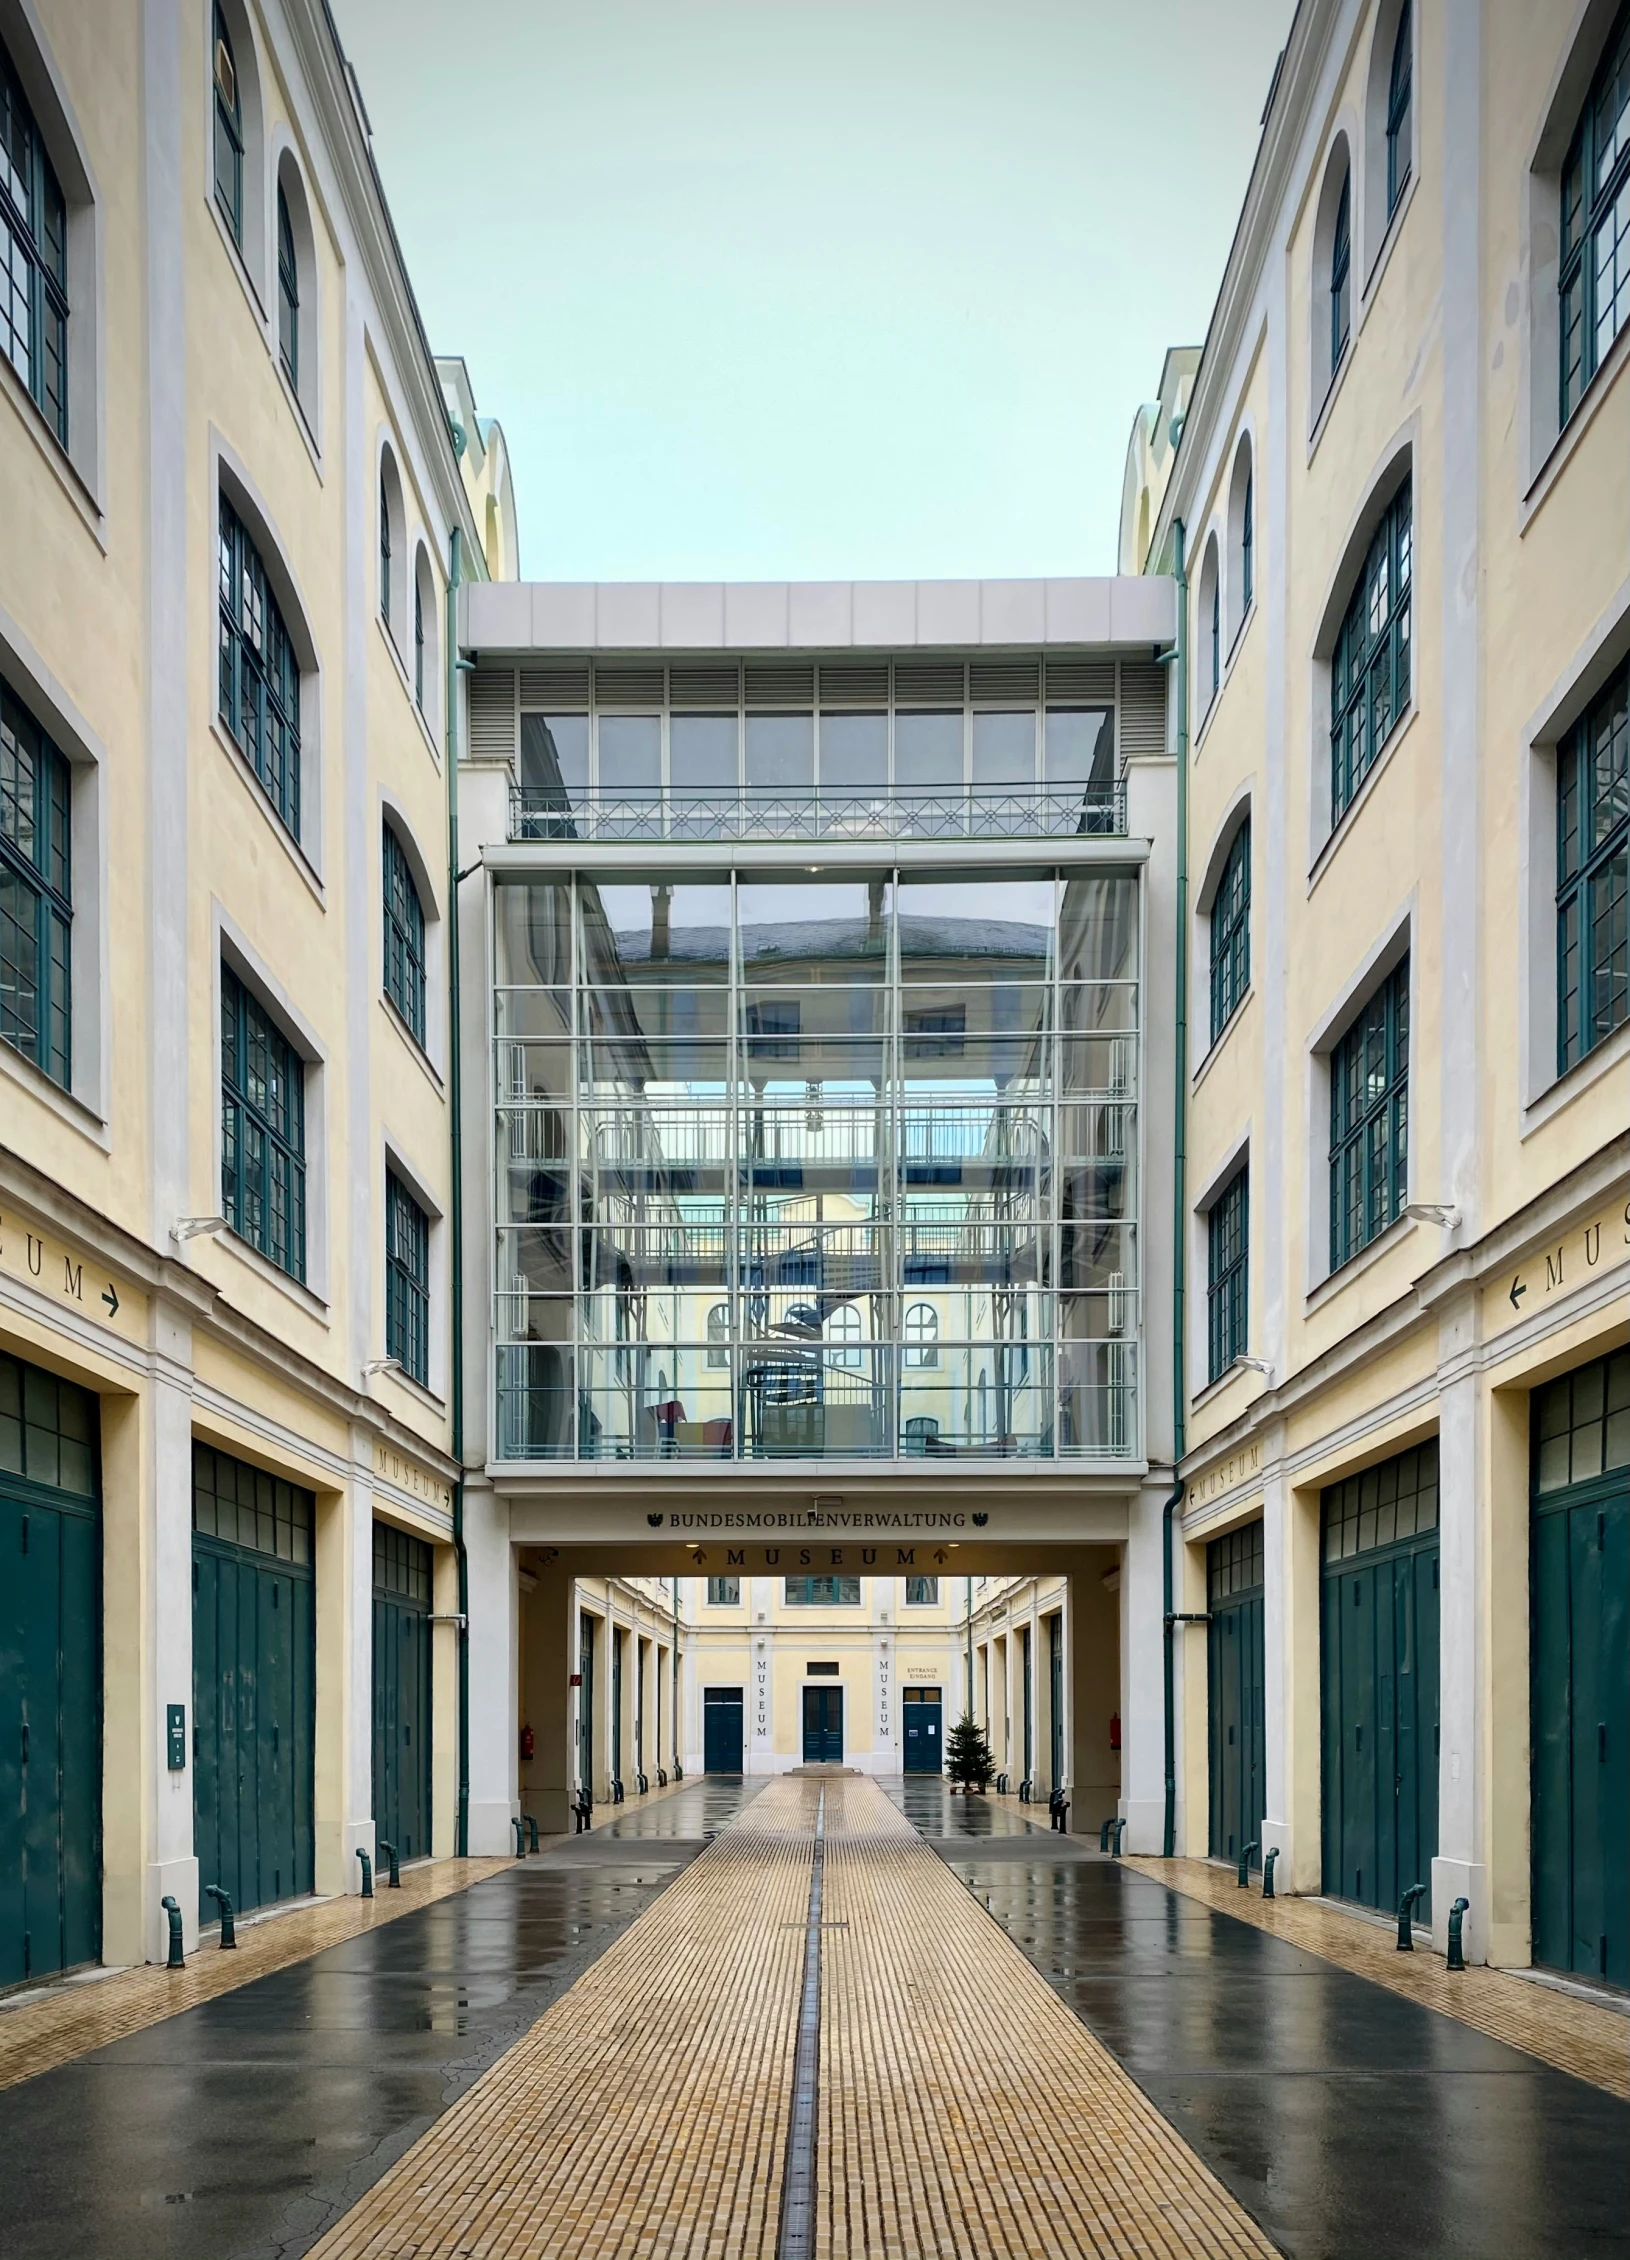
(967, 1756)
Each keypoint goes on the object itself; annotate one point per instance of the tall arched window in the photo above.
(288, 294)
(1341, 276)
(718, 1335)
(922, 1335)
(1210, 625)
(1400, 88)
(259, 695)
(1231, 933)
(1241, 538)
(228, 132)
(418, 644)
(384, 546)
(1595, 271)
(404, 938)
(1370, 668)
(843, 1335)
(33, 258)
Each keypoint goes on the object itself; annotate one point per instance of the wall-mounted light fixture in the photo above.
(198, 1227)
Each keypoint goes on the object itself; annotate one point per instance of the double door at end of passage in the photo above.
(722, 1729)
(924, 1717)
(403, 1567)
(823, 1726)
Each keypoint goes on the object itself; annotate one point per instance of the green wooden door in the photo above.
(585, 1703)
(403, 1567)
(1235, 1677)
(1055, 1691)
(1580, 1594)
(50, 1675)
(253, 1632)
(1379, 1667)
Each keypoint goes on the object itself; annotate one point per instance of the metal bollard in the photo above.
(1245, 1852)
(662, 1777)
(1268, 1859)
(616, 1792)
(172, 1907)
(229, 1932)
(581, 1811)
(395, 1876)
(1103, 1834)
(1456, 1960)
(516, 1824)
(1406, 1906)
(679, 1771)
(1061, 1816)
(531, 1820)
(1120, 1831)
(641, 1783)
(367, 1873)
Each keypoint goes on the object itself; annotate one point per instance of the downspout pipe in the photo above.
(1179, 1195)
(461, 1830)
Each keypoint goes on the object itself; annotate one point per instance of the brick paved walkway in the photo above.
(963, 2109)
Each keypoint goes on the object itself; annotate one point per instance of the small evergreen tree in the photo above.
(967, 1756)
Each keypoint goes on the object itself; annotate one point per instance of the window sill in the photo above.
(1400, 730)
(285, 839)
(1338, 377)
(1356, 1266)
(1222, 1036)
(1609, 1057)
(1379, 264)
(58, 459)
(74, 1112)
(1569, 438)
(303, 1297)
(393, 1013)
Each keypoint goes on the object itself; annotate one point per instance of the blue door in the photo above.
(721, 1729)
(924, 1717)
(823, 1726)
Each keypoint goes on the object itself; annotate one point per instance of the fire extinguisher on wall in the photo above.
(529, 1742)
(1114, 1731)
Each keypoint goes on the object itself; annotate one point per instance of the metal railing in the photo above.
(540, 812)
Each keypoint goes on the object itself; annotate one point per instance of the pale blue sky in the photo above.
(811, 289)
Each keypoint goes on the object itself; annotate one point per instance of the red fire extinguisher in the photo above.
(1114, 1731)
(529, 1743)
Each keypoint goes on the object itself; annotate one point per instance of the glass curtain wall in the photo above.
(817, 1168)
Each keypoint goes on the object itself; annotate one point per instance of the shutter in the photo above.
(628, 688)
(928, 682)
(492, 714)
(855, 682)
(562, 688)
(1142, 711)
(1080, 682)
(711, 686)
(1004, 682)
(780, 685)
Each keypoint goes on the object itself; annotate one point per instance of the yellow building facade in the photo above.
(1401, 510)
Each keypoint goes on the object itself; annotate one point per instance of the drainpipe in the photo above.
(461, 1831)
(970, 1647)
(1179, 1189)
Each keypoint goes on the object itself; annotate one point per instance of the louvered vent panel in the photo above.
(628, 686)
(557, 689)
(1080, 682)
(928, 682)
(779, 683)
(1142, 715)
(1004, 682)
(712, 684)
(854, 682)
(492, 714)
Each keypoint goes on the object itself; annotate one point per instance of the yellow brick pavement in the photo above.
(1573, 2035)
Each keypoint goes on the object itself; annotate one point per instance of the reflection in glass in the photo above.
(928, 750)
(702, 752)
(631, 754)
(1004, 749)
(1078, 747)
(780, 753)
(554, 759)
(854, 752)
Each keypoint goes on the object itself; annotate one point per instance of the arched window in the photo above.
(404, 938)
(288, 294)
(259, 694)
(1241, 540)
(843, 1334)
(418, 643)
(1592, 840)
(1400, 87)
(1370, 667)
(922, 1335)
(384, 547)
(1594, 278)
(1210, 626)
(395, 576)
(228, 131)
(718, 1335)
(33, 258)
(1341, 276)
(36, 890)
(1231, 932)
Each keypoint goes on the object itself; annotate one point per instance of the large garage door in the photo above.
(253, 1681)
(1380, 1675)
(50, 1675)
(402, 1572)
(1235, 1677)
(1581, 1671)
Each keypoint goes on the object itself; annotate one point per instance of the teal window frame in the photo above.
(407, 1281)
(1216, 630)
(1369, 1120)
(1341, 275)
(1592, 866)
(1371, 669)
(288, 294)
(33, 258)
(1231, 932)
(385, 551)
(418, 644)
(404, 1566)
(823, 1593)
(228, 153)
(1228, 1275)
(1247, 540)
(1400, 96)
(724, 1592)
(263, 1130)
(1234, 1564)
(259, 688)
(36, 894)
(1595, 220)
(405, 983)
(922, 1592)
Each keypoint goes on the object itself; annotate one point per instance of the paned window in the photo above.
(384, 549)
(36, 894)
(1247, 541)
(1399, 91)
(1234, 1564)
(718, 1335)
(922, 1592)
(407, 1281)
(33, 258)
(288, 294)
(1369, 1120)
(724, 1592)
(1341, 276)
(48, 1429)
(1592, 851)
(1370, 668)
(1216, 634)
(922, 1336)
(418, 646)
(1228, 1276)
(1395, 1500)
(1582, 1423)
(245, 1506)
(404, 938)
(1231, 933)
(228, 132)
(263, 1130)
(1595, 269)
(843, 1333)
(260, 676)
(823, 1592)
(404, 1566)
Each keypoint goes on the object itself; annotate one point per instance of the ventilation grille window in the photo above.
(708, 687)
(779, 683)
(928, 682)
(1004, 682)
(492, 714)
(1142, 709)
(1080, 682)
(556, 690)
(628, 687)
(855, 682)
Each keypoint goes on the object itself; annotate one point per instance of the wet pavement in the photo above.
(241, 2129)
(1351, 2123)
